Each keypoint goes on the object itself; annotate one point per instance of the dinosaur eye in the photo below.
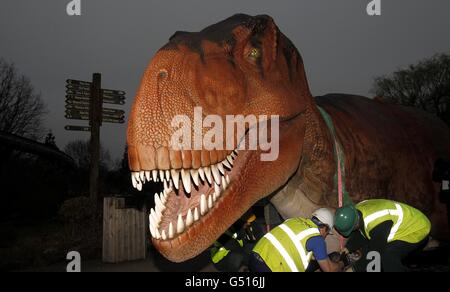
(255, 53)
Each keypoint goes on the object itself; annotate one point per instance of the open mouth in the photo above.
(188, 195)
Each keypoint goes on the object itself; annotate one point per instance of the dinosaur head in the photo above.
(243, 66)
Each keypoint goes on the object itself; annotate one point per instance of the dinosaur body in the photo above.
(389, 150)
(245, 66)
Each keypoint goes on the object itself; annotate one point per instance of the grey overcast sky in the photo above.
(343, 48)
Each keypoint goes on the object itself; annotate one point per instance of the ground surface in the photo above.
(154, 263)
(429, 261)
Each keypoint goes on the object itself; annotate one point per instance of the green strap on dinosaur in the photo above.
(339, 154)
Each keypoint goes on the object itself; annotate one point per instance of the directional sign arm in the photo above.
(110, 92)
(77, 128)
(78, 83)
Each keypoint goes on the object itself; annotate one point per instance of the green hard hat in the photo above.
(345, 219)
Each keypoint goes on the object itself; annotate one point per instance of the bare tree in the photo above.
(21, 108)
(79, 151)
(425, 85)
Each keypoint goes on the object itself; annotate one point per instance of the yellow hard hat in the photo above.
(251, 219)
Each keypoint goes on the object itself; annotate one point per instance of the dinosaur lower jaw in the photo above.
(188, 197)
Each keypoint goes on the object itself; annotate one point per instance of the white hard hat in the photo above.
(325, 216)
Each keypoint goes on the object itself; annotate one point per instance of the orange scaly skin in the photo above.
(216, 70)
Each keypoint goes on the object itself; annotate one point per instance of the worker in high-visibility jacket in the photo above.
(230, 247)
(290, 246)
(230, 253)
(392, 229)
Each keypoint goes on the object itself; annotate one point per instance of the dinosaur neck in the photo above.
(318, 166)
(312, 184)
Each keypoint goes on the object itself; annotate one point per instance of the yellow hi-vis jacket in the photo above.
(284, 248)
(219, 252)
(410, 225)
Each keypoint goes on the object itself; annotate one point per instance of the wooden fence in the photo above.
(124, 231)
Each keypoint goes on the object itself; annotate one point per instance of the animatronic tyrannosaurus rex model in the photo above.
(245, 66)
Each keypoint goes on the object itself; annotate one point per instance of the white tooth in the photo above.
(155, 175)
(163, 198)
(158, 236)
(148, 176)
(158, 209)
(227, 179)
(216, 174)
(157, 216)
(203, 207)
(159, 203)
(194, 175)
(233, 155)
(171, 230)
(137, 176)
(166, 186)
(161, 175)
(216, 188)
(224, 183)
(215, 197)
(218, 194)
(196, 215)
(163, 235)
(167, 173)
(154, 218)
(186, 178)
(210, 202)
(226, 164)
(151, 226)
(139, 186)
(230, 160)
(133, 180)
(167, 191)
(208, 174)
(220, 168)
(201, 172)
(142, 176)
(180, 224)
(175, 177)
(189, 218)
(152, 233)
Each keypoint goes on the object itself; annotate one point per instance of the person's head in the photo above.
(250, 220)
(324, 219)
(346, 220)
(246, 220)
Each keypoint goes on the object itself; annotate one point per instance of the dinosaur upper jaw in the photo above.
(195, 205)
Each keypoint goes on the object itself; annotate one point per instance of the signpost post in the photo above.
(95, 122)
(84, 101)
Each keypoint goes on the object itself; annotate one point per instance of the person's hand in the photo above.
(335, 257)
(355, 256)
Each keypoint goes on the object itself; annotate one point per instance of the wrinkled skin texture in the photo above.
(389, 150)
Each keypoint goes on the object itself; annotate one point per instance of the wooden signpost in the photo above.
(84, 101)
